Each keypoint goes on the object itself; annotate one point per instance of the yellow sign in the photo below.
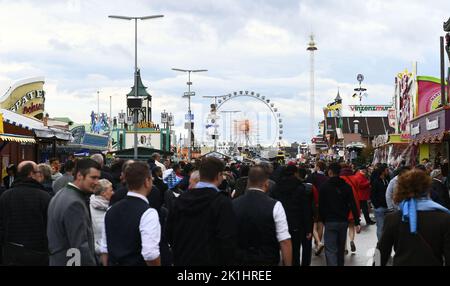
(146, 124)
(26, 97)
(1, 124)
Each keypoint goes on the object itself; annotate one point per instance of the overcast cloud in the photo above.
(246, 45)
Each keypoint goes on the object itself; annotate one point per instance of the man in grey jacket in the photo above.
(69, 230)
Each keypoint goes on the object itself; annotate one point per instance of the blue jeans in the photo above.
(379, 215)
(334, 238)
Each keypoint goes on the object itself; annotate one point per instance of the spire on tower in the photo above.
(338, 97)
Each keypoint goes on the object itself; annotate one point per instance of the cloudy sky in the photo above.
(254, 45)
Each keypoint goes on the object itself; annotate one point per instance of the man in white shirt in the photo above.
(262, 225)
(132, 239)
(157, 158)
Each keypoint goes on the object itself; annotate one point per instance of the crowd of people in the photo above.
(217, 213)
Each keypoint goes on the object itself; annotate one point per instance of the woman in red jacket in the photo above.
(364, 193)
(349, 178)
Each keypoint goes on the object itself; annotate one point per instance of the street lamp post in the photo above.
(214, 118)
(98, 104)
(135, 121)
(188, 95)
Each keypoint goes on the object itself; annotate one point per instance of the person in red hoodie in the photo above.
(350, 179)
(364, 193)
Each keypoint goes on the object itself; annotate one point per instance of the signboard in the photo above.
(415, 129)
(164, 117)
(26, 97)
(186, 116)
(392, 116)
(432, 124)
(186, 94)
(370, 108)
(129, 120)
(428, 94)
(147, 124)
(122, 118)
(148, 140)
(170, 120)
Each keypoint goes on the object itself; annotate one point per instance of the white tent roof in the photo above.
(21, 121)
(35, 125)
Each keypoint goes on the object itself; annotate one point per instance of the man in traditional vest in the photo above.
(132, 231)
(262, 224)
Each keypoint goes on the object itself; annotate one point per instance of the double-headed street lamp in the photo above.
(135, 121)
(188, 95)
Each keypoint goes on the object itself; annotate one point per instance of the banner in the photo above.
(371, 108)
(428, 94)
(404, 90)
(392, 116)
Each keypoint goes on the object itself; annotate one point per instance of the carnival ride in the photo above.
(277, 136)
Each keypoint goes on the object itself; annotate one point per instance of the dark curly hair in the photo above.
(412, 184)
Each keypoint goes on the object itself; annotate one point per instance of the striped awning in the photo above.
(16, 138)
(431, 139)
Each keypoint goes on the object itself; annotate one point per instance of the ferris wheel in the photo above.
(276, 115)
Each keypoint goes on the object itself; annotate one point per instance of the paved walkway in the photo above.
(365, 246)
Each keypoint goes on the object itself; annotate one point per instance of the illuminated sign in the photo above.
(26, 97)
(371, 108)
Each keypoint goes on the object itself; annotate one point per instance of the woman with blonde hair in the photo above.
(420, 231)
(99, 203)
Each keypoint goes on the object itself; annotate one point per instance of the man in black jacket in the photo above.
(201, 226)
(23, 219)
(291, 192)
(335, 202)
(378, 196)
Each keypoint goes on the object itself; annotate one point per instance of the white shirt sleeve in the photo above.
(103, 248)
(281, 225)
(150, 234)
